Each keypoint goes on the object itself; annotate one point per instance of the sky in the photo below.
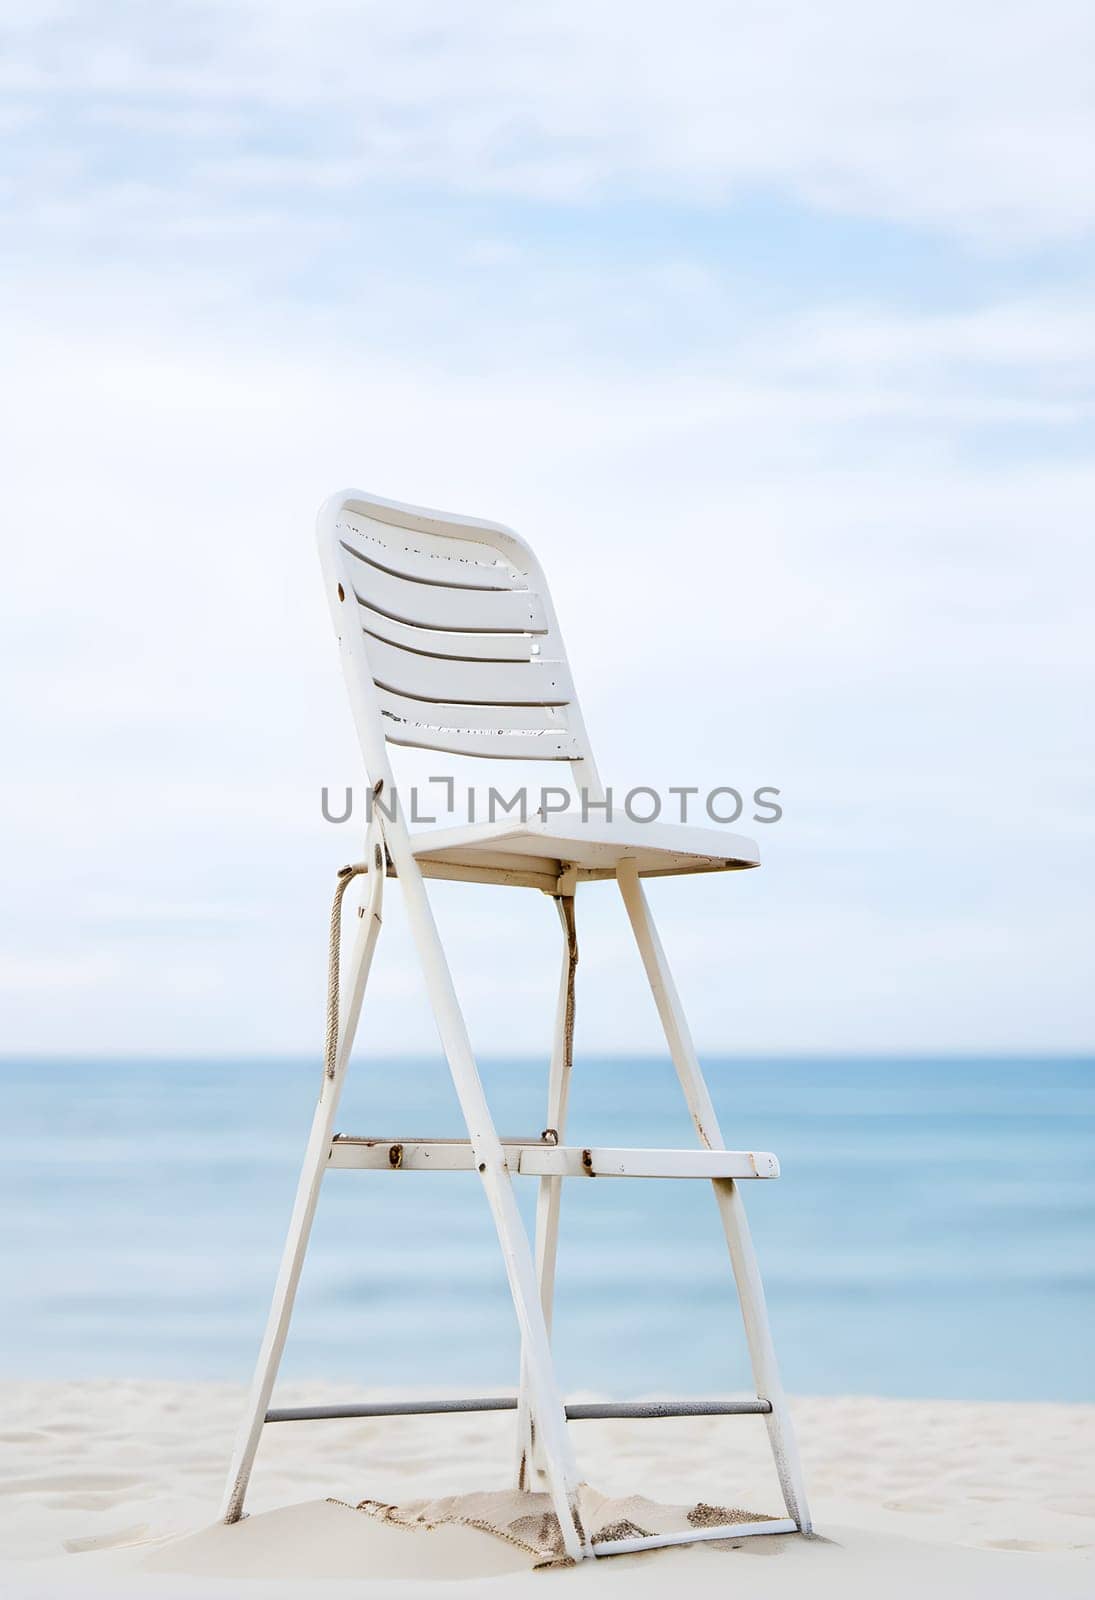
(769, 326)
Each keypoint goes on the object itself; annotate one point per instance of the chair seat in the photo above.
(537, 852)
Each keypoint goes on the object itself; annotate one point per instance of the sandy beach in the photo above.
(113, 1487)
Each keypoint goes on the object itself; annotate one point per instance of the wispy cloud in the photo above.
(978, 120)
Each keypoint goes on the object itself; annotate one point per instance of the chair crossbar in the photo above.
(543, 1160)
(658, 1541)
(601, 1410)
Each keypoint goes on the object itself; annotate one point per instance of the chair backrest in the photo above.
(453, 643)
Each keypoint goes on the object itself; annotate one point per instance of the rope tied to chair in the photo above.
(566, 905)
(334, 961)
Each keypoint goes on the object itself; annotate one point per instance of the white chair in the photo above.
(449, 642)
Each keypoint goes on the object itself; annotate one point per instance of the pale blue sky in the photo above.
(774, 321)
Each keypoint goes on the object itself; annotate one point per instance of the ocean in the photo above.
(933, 1233)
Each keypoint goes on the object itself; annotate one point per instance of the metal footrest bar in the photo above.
(605, 1409)
(540, 1159)
(389, 1408)
(600, 1410)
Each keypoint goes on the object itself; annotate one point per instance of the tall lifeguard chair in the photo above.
(449, 642)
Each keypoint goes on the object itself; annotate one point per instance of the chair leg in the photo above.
(546, 1401)
(549, 1194)
(316, 1156)
(731, 1206)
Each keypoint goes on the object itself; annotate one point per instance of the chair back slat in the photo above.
(483, 683)
(435, 605)
(493, 746)
(473, 718)
(442, 642)
(503, 733)
(409, 551)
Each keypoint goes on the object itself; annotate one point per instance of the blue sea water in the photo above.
(933, 1233)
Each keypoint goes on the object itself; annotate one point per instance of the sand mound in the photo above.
(322, 1539)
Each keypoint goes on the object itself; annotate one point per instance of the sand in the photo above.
(112, 1488)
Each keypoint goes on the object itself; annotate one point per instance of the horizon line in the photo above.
(978, 1054)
